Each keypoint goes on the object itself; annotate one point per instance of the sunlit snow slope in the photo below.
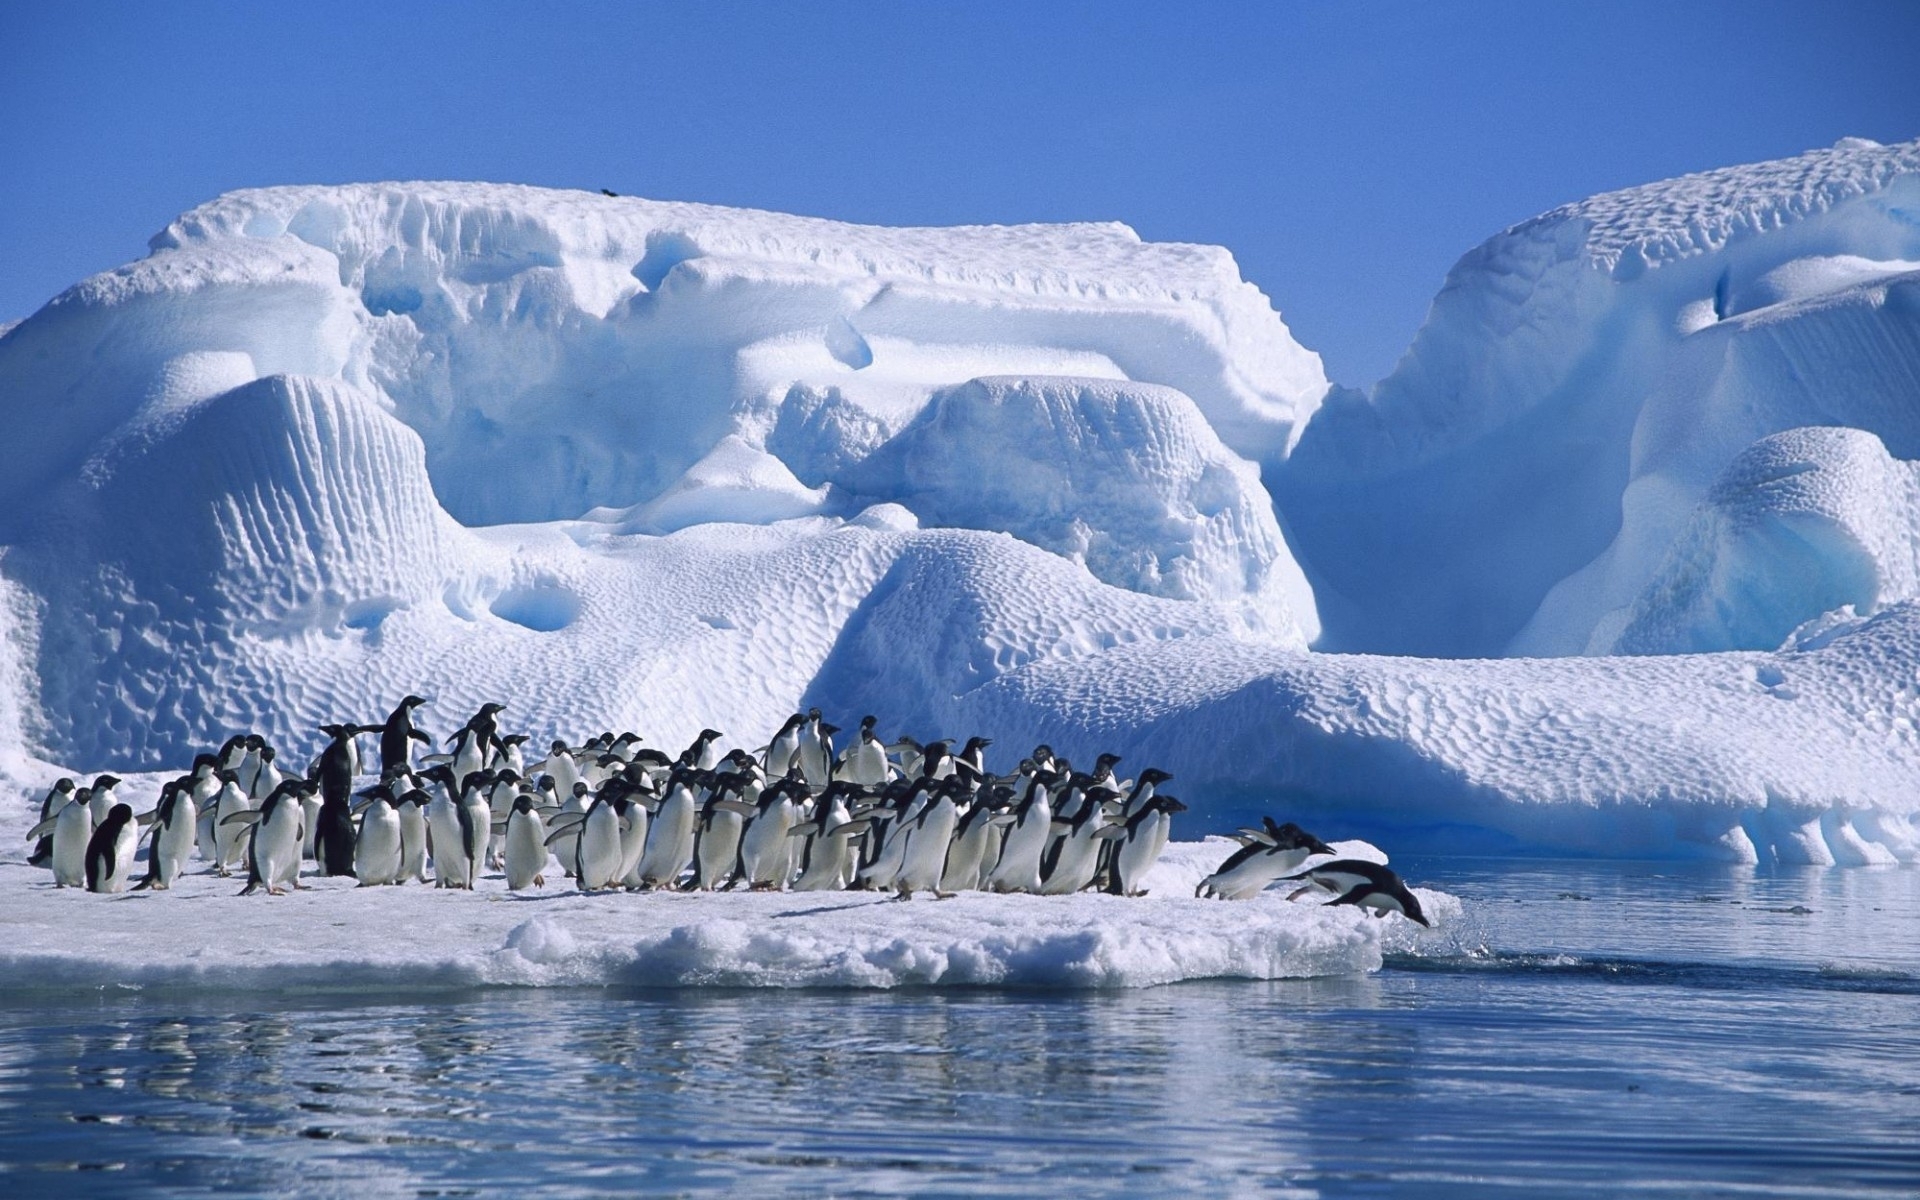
(1580, 384)
(628, 464)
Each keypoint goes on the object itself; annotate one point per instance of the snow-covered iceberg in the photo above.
(629, 464)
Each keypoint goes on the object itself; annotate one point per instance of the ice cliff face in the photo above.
(1583, 379)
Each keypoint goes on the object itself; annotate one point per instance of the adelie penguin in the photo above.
(56, 799)
(398, 735)
(110, 851)
(1267, 854)
(273, 851)
(1364, 885)
(378, 849)
(1147, 831)
(174, 834)
(71, 828)
(526, 848)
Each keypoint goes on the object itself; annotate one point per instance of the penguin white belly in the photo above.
(963, 858)
(669, 841)
(633, 846)
(413, 844)
(763, 848)
(597, 857)
(1139, 852)
(310, 813)
(1250, 878)
(1074, 868)
(1019, 867)
(924, 858)
(719, 848)
(119, 861)
(173, 842)
(376, 853)
(526, 850)
(230, 839)
(477, 828)
(275, 847)
(449, 848)
(826, 862)
(72, 830)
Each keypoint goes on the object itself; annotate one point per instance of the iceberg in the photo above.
(627, 464)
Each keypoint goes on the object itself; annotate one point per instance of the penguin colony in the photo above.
(794, 815)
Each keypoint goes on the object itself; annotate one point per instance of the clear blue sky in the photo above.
(1346, 153)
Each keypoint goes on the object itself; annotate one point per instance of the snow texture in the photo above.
(637, 465)
(1580, 383)
(335, 937)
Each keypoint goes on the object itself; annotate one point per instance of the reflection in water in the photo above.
(1626, 1029)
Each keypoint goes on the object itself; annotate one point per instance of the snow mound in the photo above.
(1800, 524)
(735, 482)
(1582, 380)
(1125, 478)
(336, 937)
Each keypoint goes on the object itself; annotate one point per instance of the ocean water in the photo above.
(1591, 1030)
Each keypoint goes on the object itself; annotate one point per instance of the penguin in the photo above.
(110, 850)
(173, 836)
(397, 736)
(273, 851)
(475, 817)
(1146, 836)
(882, 873)
(510, 757)
(1365, 885)
(764, 846)
(378, 847)
(334, 836)
(56, 799)
(925, 841)
(975, 845)
(1071, 863)
(203, 778)
(975, 753)
(101, 798)
(526, 849)
(598, 851)
(785, 744)
(71, 830)
(716, 846)
(865, 762)
(266, 777)
(500, 797)
(475, 742)
(670, 840)
(566, 839)
(912, 755)
(633, 813)
(560, 764)
(253, 750)
(813, 753)
(412, 807)
(1026, 840)
(829, 837)
(444, 829)
(229, 838)
(704, 753)
(1267, 854)
(936, 762)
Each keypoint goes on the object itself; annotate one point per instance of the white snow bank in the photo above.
(337, 937)
(1582, 380)
(735, 482)
(1807, 755)
(1126, 478)
(1800, 524)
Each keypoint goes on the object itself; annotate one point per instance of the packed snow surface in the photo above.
(637, 465)
(335, 936)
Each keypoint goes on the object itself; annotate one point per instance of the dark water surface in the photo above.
(1598, 1029)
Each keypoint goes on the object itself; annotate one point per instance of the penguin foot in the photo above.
(539, 881)
(939, 895)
